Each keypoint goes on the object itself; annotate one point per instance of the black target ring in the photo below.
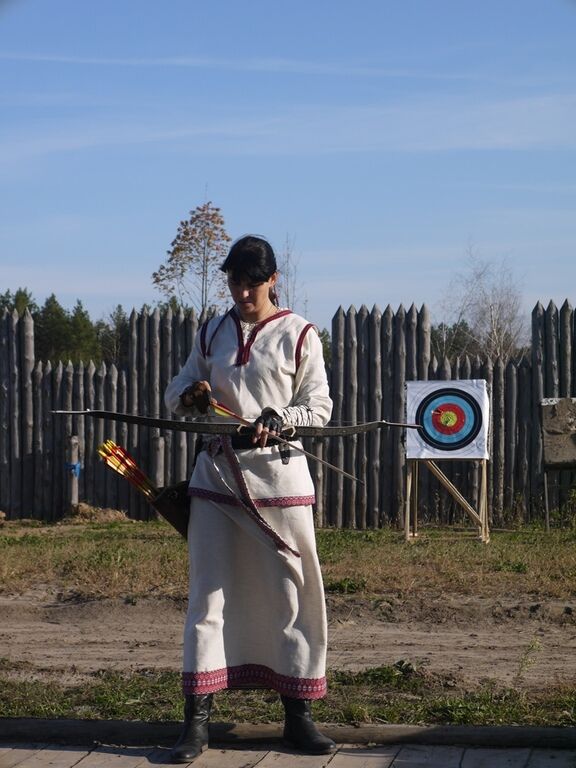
(450, 418)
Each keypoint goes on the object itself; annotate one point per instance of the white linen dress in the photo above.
(256, 613)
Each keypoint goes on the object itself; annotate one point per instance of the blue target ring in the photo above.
(450, 418)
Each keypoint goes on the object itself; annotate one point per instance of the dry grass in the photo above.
(94, 560)
(134, 558)
(525, 561)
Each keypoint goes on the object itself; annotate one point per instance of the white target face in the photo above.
(453, 416)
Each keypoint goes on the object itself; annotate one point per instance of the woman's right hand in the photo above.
(197, 395)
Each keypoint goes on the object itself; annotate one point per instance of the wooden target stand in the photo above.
(480, 516)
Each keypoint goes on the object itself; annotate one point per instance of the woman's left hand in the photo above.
(269, 423)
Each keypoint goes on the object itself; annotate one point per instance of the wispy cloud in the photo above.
(447, 124)
(450, 124)
(263, 65)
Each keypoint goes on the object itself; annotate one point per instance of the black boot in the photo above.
(300, 731)
(194, 737)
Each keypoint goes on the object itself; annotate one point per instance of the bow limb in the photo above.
(230, 428)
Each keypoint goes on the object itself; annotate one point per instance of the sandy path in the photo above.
(464, 638)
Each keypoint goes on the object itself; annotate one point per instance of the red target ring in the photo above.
(448, 418)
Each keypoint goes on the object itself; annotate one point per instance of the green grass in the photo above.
(137, 559)
(380, 695)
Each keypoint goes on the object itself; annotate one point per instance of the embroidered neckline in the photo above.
(248, 326)
(245, 342)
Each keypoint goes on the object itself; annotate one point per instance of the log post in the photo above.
(72, 473)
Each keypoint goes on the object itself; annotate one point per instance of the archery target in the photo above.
(453, 416)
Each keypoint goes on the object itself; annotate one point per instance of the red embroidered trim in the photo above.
(298, 355)
(280, 501)
(244, 349)
(253, 676)
(286, 501)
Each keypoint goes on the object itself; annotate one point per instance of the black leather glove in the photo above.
(197, 395)
(270, 420)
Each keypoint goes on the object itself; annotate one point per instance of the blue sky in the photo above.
(384, 138)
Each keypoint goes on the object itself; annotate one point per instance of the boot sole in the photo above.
(325, 751)
(181, 760)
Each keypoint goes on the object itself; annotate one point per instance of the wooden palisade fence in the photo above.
(374, 353)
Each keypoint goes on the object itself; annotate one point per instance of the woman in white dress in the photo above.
(256, 615)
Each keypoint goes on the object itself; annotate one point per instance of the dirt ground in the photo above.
(465, 639)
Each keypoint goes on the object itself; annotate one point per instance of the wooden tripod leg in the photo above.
(414, 504)
(409, 475)
(484, 529)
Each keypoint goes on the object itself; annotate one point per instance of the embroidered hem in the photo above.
(280, 501)
(253, 676)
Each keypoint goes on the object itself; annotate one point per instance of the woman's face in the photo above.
(252, 299)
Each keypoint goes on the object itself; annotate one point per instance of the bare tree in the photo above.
(483, 311)
(289, 288)
(191, 273)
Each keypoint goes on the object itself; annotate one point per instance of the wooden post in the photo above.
(536, 452)
(424, 355)
(398, 412)
(79, 422)
(411, 336)
(5, 448)
(487, 373)
(90, 455)
(26, 340)
(374, 414)
(166, 374)
(14, 416)
(157, 460)
(510, 434)
(565, 348)
(524, 431)
(143, 455)
(37, 442)
(122, 438)
(318, 477)
(72, 473)
(386, 450)
(350, 415)
(552, 388)
(111, 404)
(363, 374)
(47, 427)
(335, 480)
(58, 499)
(101, 473)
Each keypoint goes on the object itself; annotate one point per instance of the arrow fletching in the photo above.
(115, 457)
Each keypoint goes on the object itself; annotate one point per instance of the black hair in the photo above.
(250, 258)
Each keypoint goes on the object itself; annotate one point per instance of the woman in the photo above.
(256, 615)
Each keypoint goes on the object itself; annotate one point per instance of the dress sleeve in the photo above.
(311, 404)
(195, 369)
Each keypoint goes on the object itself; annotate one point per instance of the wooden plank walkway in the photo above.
(347, 756)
